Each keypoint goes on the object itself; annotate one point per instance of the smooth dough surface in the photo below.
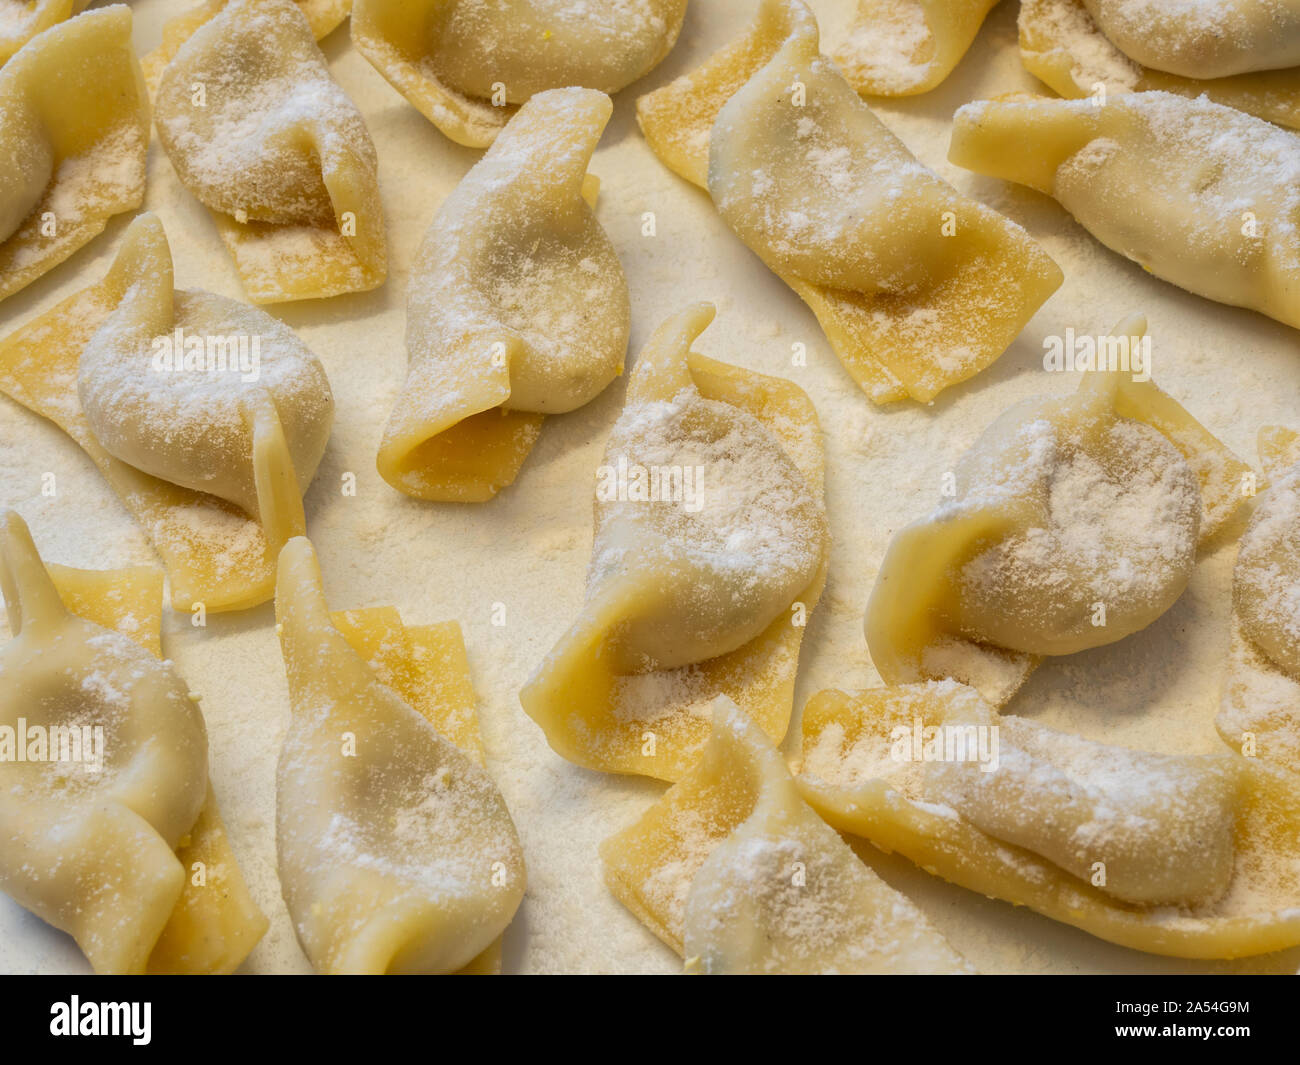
(517, 307)
(732, 869)
(698, 587)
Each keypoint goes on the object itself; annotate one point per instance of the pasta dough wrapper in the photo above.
(696, 588)
(466, 65)
(518, 307)
(214, 552)
(396, 851)
(1061, 45)
(916, 286)
(1196, 193)
(276, 151)
(1259, 712)
(143, 829)
(21, 20)
(74, 131)
(906, 47)
(734, 871)
(1098, 499)
(857, 776)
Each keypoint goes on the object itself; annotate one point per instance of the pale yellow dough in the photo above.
(467, 64)
(130, 859)
(21, 20)
(1010, 568)
(517, 307)
(733, 870)
(1199, 194)
(74, 134)
(1071, 828)
(263, 136)
(916, 286)
(693, 597)
(395, 849)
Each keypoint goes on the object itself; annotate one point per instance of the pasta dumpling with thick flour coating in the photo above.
(74, 134)
(396, 851)
(1191, 856)
(109, 829)
(518, 307)
(467, 64)
(21, 20)
(207, 416)
(916, 286)
(710, 552)
(1198, 194)
(733, 870)
(1259, 713)
(1073, 523)
(1061, 45)
(261, 134)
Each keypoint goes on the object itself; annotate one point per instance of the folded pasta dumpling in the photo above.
(395, 849)
(467, 64)
(916, 286)
(1191, 856)
(518, 307)
(1197, 39)
(108, 826)
(1197, 193)
(262, 135)
(1259, 713)
(733, 870)
(1073, 523)
(208, 417)
(74, 134)
(905, 47)
(710, 551)
(21, 20)
(1061, 45)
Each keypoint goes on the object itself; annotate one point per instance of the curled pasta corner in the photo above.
(599, 717)
(185, 909)
(866, 797)
(1061, 45)
(77, 156)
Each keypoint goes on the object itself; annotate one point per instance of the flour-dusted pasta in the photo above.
(1061, 44)
(21, 20)
(108, 826)
(1071, 523)
(733, 870)
(1185, 855)
(467, 64)
(207, 416)
(396, 851)
(1260, 710)
(517, 308)
(916, 286)
(710, 553)
(74, 134)
(904, 47)
(262, 135)
(1199, 194)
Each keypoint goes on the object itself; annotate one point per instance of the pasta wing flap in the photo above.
(700, 586)
(1187, 856)
(733, 870)
(518, 307)
(130, 858)
(466, 66)
(1024, 560)
(1259, 713)
(74, 130)
(396, 851)
(1198, 194)
(916, 286)
(218, 550)
(906, 47)
(259, 132)
(1061, 45)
